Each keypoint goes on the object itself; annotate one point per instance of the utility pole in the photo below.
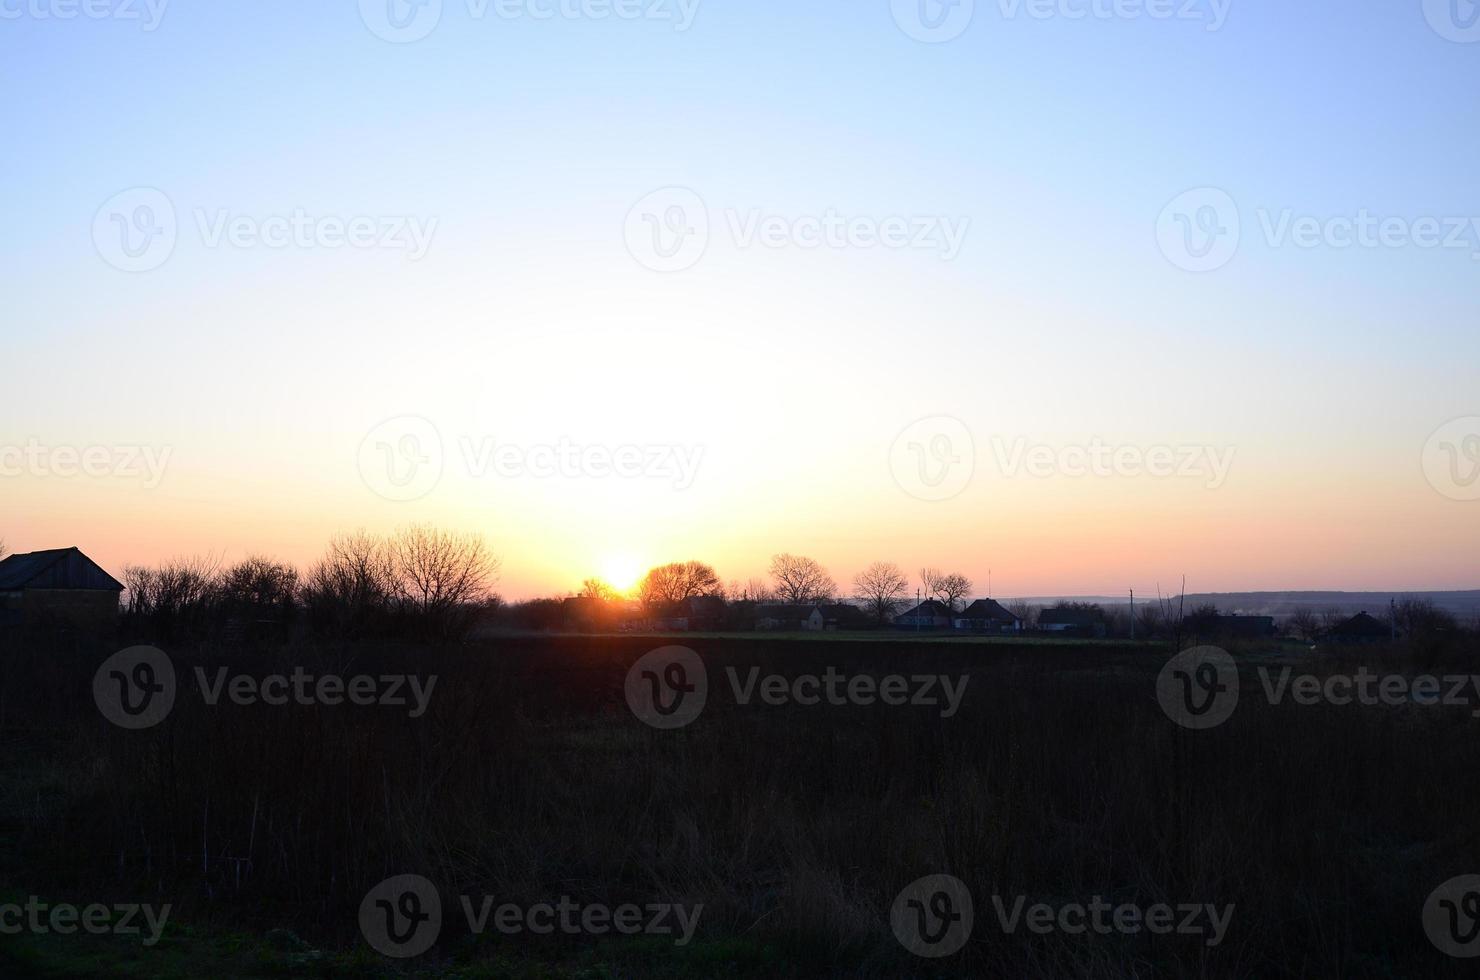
(917, 610)
(1133, 614)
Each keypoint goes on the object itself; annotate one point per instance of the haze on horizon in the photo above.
(535, 280)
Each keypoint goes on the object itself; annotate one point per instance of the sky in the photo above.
(1080, 294)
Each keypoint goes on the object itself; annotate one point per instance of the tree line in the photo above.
(418, 581)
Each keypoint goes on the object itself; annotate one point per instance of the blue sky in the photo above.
(528, 141)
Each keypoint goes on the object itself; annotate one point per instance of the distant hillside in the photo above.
(1465, 605)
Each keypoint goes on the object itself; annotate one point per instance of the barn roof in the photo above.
(59, 568)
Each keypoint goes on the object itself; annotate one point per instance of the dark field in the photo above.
(528, 778)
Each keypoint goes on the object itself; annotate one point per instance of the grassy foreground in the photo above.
(529, 778)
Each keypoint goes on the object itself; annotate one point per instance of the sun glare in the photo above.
(621, 572)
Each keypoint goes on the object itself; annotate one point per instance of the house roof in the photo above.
(59, 568)
(930, 607)
(987, 609)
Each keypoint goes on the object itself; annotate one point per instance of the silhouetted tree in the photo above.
(595, 588)
(173, 600)
(258, 588)
(440, 575)
(1420, 618)
(880, 589)
(1025, 611)
(801, 580)
(950, 588)
(1305, 624)
(352, 589)
(677, 581)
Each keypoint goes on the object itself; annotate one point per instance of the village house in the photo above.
(932, 614)
(987, 616)
(1360, 629)
(790, 616)
(62, 586)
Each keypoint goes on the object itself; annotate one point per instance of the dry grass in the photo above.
(528, 779)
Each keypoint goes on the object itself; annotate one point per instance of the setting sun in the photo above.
(622, 572)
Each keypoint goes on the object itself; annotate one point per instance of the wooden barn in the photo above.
(62, 586)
